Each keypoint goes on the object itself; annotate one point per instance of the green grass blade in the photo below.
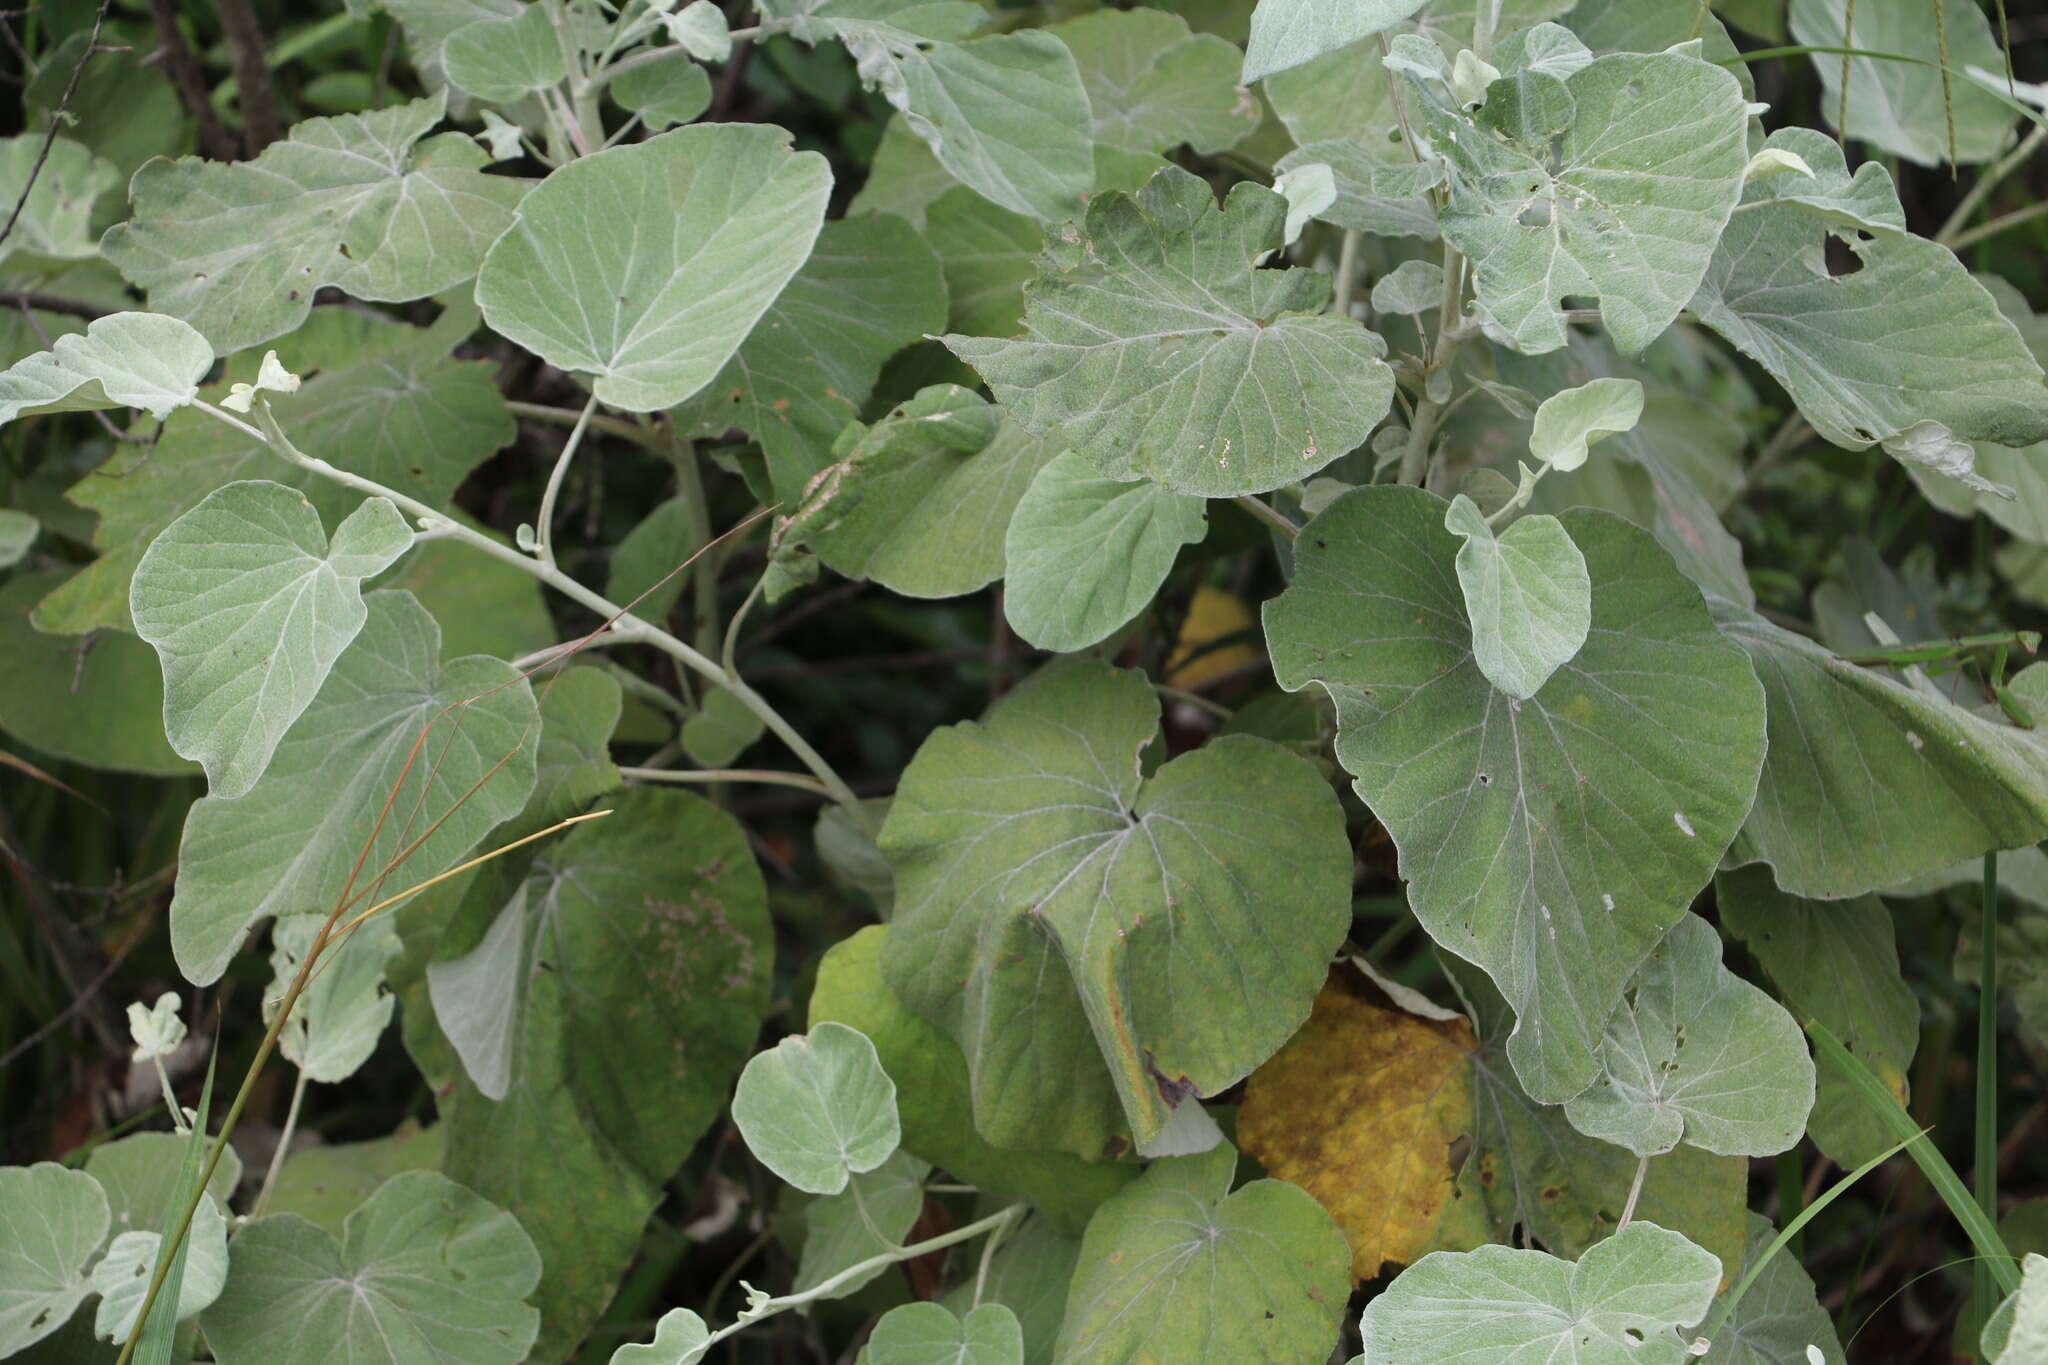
(1987, 1079)
(1981, 1231)
(159, 1330)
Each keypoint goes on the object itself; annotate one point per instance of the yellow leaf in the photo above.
(1369, 1109)
(1212, 614)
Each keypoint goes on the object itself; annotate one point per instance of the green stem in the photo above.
(1791, 1191)
(1347, 270)
(284, 1146)
(1265, 512)
(1988, 181)
(544, 525)
(1429, 413)
(1986, 1174)
(767, 777)
(704, 573)
(1194, 699)
(569, 417)
(1997, 225)
(638, 631)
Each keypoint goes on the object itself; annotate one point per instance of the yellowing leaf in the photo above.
(1212, 615)
(1363, 1109)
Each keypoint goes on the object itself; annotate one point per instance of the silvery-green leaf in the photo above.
(1931, 448)
(359, 202)
(1153, 85)
(925, 493)
(1085, 554)
(1627, 207)
(156, 1030)
(665, 93)
(929, 1334)
(1955, 785)
(1835, 961)
(1908, 337)
(1778, 1318)
(428, 25)
(392, 406)
(1624, 1302)
(124, 360)
(1310, 188)
(1153, 347)
(501, 59)
(904, 176)
(1180, 1267)
(721, 729)
(52, 1221)
(1526, 594)
(1287, 33)
(1137, 919)
(343, 1011)
(1570, 421)
(55, 183)
(291, 840)
(652, 316)
(122, 1276)
(2026, 1316)
(700, 29)
(1028, 1275)
(18, 531)
(1553, 50)
(837, 1236)
(1409, 289)
(817, 1109)
(1567, 852)
(869, 287)
(324, 1183)
(1385, 197)
(425, 1270)
(1865, 200)
(680, 1338)
(248, 604)
(1905, 106)
(1697, 1053)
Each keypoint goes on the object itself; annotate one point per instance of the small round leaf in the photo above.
(818, 1108)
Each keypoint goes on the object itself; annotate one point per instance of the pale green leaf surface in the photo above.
(1908, 338)
(1697, 1053)
(680, 1338)
(139, 1172)
(1409, 289)
(721, 729)
(101, 706)
(869, 287)
(2027, 1338)
(1572, 420)
(1627, 209)
(1622, 1303)
(926, 495)
(1180, 1267)
(344, 1009)
(1287, 33)
(930, 1334)
(817, 1109)
(484, 606)
(392, 406)
(122, 1276)
(1900, 106)
(1153, 85)
(1029, 1276)
(1778, 1317)
(934, 1097)
(56, 190)
(1864, 200)
(642, 575)
(1566, 854)
(501, 59)
(123, 360)
(647, 955)
(581, 280)
(359, 202)
(665, 93)
(1153, 347)
(1955, 784)
(248, 604)
(289, 844)
(903, 176)
(1085, 554)
(836, 1235)
(425, 1270)
(428, 25)
(988, 255)
(324, 1184)
(1386, 197)
(1835, 961)
(1035, 864)
(1526, 593)
(52, 1220)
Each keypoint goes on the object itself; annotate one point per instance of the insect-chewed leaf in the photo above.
(342, 1012)
(1567, 853)
(1180, 1267)
(581, 281)
(52, 1221)
(818, 1108)
(1622, 1303)
(929, 1334)
(424, 1269)
(238, 249)
(1696, 1052)
(1162, 935)
(249, 603)
(1153, 347)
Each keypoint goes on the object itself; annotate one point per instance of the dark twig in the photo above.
(51, 303)
(185, 73)
(252, 75)
(56, 120)
(84, 997)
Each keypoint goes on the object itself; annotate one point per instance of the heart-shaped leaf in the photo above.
(1569, 421)
(1526, 594)
(651, 316)
(929, 1334)
(818, 1109)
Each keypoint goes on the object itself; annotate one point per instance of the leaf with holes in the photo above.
(52, 1221)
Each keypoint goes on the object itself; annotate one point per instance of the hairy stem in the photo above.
(284, 1146)
(544, 524)
(767, 777)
